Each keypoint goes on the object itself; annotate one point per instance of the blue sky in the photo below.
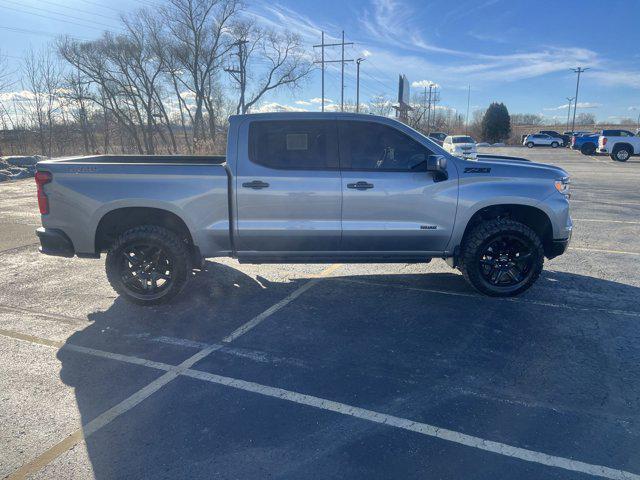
(515, 51)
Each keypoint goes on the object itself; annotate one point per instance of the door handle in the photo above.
(256, 184)
(360, 185)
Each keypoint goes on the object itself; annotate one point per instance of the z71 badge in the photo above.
(477, 170)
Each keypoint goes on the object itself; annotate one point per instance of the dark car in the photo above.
(438, 137)
(566, 139)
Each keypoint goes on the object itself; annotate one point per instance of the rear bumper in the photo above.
(55, 242)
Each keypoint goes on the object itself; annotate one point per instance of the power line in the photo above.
(48, 17)
(342, 61)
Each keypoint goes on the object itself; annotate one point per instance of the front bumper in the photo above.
(557, 248)
(55, 242)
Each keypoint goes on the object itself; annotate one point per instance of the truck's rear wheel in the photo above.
(588, 149)
(502, 257)
(529, 144)
(148, 265)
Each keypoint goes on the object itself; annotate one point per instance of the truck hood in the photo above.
(515, 166)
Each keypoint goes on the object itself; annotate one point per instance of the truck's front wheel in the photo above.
(502, 257)
(148, 265)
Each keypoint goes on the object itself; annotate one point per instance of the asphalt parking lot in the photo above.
(330, 371)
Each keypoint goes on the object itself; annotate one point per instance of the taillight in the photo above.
(42, 178)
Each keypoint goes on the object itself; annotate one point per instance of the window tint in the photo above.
(372, 146)
(463, 140)
(294, 145)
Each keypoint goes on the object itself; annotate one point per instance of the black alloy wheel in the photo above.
(146, 269)
(506, 261)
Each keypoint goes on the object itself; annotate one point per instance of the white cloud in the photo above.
(319, 100)
(276, 107)
(302, 102)
(425, 83)
(21, 96)
(580, 105)
(366, 53)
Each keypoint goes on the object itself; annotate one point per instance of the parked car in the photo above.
(461, 146)
(619, 144)
(566, 139)
(305, 187)
(542, 140)
(586, 143)
(438, 137)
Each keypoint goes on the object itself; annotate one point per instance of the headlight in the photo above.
(562, 186)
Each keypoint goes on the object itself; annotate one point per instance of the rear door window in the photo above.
(294, 145)
(373, 146)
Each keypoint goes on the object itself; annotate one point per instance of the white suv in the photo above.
(542, 139)
(461, 146)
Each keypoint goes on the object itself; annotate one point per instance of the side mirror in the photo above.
(438, 165)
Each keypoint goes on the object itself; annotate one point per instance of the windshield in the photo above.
(463, 140)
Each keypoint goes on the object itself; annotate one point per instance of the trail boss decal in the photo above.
(477, 169)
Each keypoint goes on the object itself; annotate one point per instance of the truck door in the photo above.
(389, 205)
(288, 189)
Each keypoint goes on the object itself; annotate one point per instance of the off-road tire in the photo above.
(169, 242)
(480, 236)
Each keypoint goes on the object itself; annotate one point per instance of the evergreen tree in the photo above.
(496, 123)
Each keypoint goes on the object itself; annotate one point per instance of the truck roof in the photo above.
(309, 115)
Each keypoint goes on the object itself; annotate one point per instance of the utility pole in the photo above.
(466, 121)
(358, 62)
(577, 70)
(342, 61)
(569, 112)
(429, 110)
(240, 74)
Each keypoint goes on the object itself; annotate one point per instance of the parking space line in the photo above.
(598, 250)
(421, 428)
(172, 372)
(54, 316)
(629, 313)
(598, 202)
(630, 222)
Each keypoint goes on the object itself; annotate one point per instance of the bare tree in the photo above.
(265, 61)
(380, 105)
(197, 44)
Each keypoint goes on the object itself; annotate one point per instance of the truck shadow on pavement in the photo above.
(409, 352)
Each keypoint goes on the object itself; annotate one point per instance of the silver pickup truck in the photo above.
(306, 188)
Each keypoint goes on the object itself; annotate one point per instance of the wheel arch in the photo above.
(117, 221)
(533, 217)
(620, 145)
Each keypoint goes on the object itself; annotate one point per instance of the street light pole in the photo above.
(569, 111)
(577, 70)
(358, 62)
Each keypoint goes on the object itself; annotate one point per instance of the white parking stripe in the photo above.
(630, 222)
(311, 401)
(108, 416)
(599, 250)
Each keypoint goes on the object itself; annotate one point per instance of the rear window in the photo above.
(463, 140)
(294, 145)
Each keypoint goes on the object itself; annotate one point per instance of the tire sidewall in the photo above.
(554, 145)
(529, 144)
